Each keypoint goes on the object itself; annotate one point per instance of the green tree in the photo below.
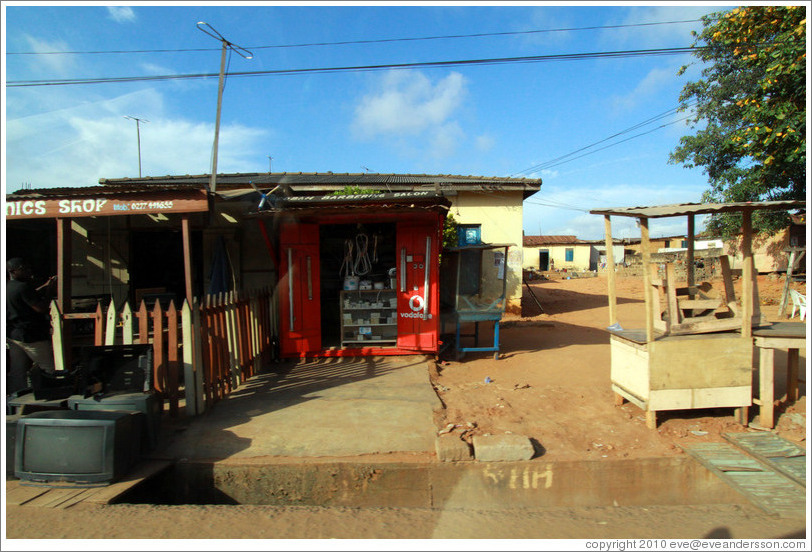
(750, 115)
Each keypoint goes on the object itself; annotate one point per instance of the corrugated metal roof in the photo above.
(95, 191)
(532, 241)
(328, 178)
(326, 182)
(696, 208)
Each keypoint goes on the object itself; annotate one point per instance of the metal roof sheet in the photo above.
(696, 208)
(95, 191)
(532, 241)
(327, 179)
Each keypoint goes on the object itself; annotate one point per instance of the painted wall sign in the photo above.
(126, 204)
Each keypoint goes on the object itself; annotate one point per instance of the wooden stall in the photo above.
(696, 351)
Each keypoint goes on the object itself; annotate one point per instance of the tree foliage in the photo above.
(750, 115)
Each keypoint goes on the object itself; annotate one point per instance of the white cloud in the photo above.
(49, 64)
(408, 103)
(485, 142)
(121, 14)
(77, 146)
(654, 36)
(654, 82)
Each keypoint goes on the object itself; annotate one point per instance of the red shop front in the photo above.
(360, 275)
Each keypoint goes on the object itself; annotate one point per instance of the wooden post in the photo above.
(610, 270)
(747, 274)
(187, 256)
(64, 279)
(187, 330)
(232, 337)
(173, 381)
(63, 264)
(782, 306)
(198, 360)
(158, 362)
(689, 258)
(647, 285)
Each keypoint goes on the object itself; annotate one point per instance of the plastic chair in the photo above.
(799, 303)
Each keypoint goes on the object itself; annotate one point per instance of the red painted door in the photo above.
(300, 308)
(418, 290)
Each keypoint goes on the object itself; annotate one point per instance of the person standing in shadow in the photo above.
(28, 324)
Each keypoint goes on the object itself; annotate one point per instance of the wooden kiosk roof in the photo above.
(643, 214)
(678, 209)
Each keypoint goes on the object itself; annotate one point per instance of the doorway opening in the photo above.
(366, 251)
(156, 266)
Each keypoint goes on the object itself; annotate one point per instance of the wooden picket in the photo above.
(201, 352)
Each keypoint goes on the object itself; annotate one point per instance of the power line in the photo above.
(358, 68)
(560, 160)
(370, 41)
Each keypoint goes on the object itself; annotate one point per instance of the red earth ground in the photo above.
(552, 381)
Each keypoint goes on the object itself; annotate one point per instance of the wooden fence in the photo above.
(201, 352)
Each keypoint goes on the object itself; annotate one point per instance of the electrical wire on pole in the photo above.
(212, 32)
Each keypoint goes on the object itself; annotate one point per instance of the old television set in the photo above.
(94, 446)
(119, 368)
(150, 404)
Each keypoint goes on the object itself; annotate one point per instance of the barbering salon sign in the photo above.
(91, 207)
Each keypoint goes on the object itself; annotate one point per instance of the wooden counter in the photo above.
(682, 372)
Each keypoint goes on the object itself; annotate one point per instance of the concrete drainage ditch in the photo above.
(653, 481)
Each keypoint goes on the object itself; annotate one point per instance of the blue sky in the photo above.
(489, 120)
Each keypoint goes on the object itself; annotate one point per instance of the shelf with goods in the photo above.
(369, 317)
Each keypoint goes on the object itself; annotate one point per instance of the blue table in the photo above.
(461, 318)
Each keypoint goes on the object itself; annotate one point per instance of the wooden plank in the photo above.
(727, 280)
(18, 494)
(98, 326)
(187, 256)
(706, 325)
(126, 325)
(197, 358)
(767, 489)
(110, 326)
(610, 270)
(189, 381)
(629, 367)
(766, 384)
(172, 376)
(717, 361)
(674, 313)
(141, 472)
(792, 375)
(773, 451)
(55, 496)
(646, 251)
(700, 304)
(158, 356)
(747, 273)
(790, 343)
(689, 259)
(57, 337)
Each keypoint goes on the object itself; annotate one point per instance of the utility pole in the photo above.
(270, 164)
(212, 32)
(138, 131)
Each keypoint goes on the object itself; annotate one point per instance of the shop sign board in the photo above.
(106, 205)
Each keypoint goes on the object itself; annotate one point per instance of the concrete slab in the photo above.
(320, 407)
(450, 448)
(502, 448)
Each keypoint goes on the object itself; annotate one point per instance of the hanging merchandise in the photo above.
(347, 271)
(362, 264)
